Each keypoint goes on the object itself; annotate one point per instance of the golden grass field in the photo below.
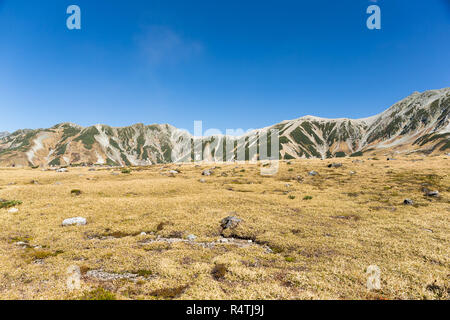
(302, 247)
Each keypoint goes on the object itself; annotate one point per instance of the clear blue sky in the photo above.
(233, 64)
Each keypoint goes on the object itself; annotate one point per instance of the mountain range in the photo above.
(420, 123)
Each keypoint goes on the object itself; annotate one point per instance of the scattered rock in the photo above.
(391, 159)
(202, 180)
(335, 165)
(13, 210)
(107, 276)
(429, 193)
(207, 172)
(173, 172)
(62, 170)
(75, 192)
(408, 202)
(143, 234)
(22, 244)
(299, 179)
(352, 173)
(230, 222)
(74, 221)
(191, 237)
(312, 173)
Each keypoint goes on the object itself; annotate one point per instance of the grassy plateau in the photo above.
(152, 233)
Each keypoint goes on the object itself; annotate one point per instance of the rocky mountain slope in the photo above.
(418, 123)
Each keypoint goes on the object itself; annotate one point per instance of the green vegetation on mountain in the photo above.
(87, 136)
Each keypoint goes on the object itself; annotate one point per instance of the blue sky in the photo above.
(232, 64)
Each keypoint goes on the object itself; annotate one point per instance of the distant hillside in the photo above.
(418, 123)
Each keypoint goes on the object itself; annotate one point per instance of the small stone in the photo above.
(230, 222)
(143, 234)
(223, 240)
(312, 173)
(74, 221)
(202, 180)
(207, 172)
(62, 170)
(191, 237)
(352, 172)
(173, 172)
(335, 165)
(13, 210)
(432, 193)
(408, 202)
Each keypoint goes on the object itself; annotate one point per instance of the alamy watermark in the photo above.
(74, 20)
(233, 146)
(373, 278)
(374, 20)
(73, 281)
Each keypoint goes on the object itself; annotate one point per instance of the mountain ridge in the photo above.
(417, 123)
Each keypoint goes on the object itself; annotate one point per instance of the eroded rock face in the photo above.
(79, 221)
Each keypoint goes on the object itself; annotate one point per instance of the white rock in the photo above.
(74, 221)
(13, 210)
(143, 234)
(191, 237)
(62, 170)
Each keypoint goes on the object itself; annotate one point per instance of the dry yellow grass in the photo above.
(320, 247)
